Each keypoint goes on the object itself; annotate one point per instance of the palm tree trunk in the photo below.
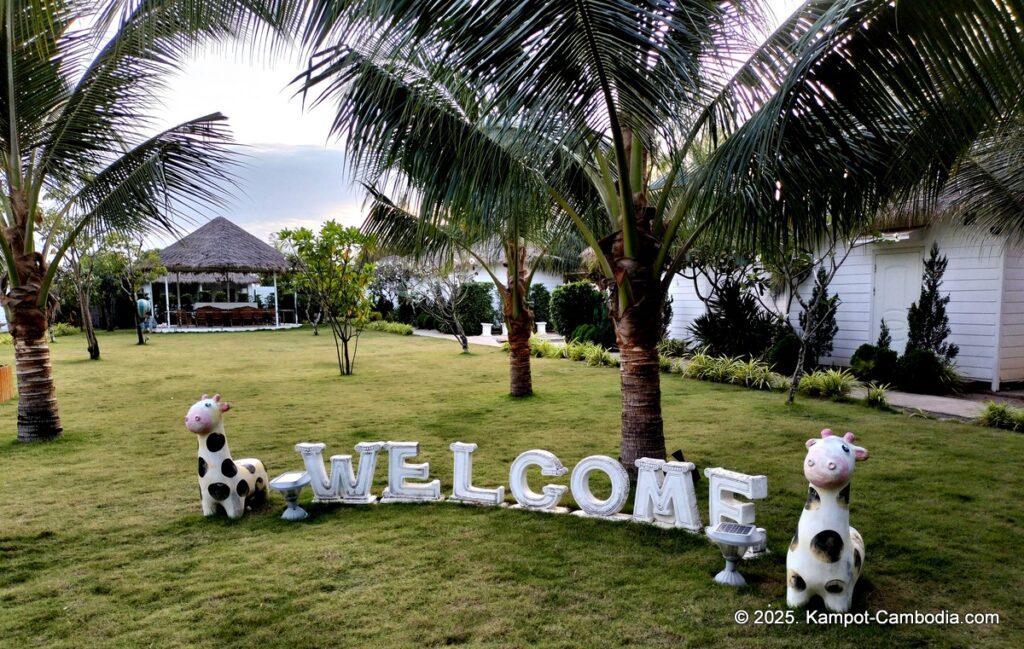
(90, 331)
(38, 417)
(519, 319)
(637, 332)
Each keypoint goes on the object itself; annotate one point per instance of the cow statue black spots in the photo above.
(224, 483)
(826, 555)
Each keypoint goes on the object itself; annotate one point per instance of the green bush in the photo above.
(476, 306)
(827, 383)
(722, 369)
(64, 329)
(6, 339)
(390, 327)
(735, 324)
(424, 321)
(574, 350)
(783, 355)
(545, 348)
(754, 374)
(921, 371)
(575, 304)
(540, 302)
(873, 363)
(673, 348)
(597, 356)
(666, 364)
(875, 397)
(1000, 415)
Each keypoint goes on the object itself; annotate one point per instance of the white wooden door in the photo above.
(897, 284)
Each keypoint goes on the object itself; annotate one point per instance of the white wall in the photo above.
(686, 306)
(1011, 335)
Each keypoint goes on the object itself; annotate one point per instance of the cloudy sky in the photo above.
(292, 175)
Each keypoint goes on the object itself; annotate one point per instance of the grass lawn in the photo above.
(102, 542)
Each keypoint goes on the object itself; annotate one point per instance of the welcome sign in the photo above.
(665, 493)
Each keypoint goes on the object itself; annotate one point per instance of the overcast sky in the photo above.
(292, 175)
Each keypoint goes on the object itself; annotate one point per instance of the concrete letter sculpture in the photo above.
(826, 555)
(223, 482)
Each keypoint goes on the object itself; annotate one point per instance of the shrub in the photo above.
(390, 327)
(424, 321)
(752, 374)
(545, 348)
(784, 354)
(827, 383)
(666, 364)
(734, 324)
(875, 397)
(927, 322)
(575, 304)
(64, 329)
(1000, 415)
(597, 356)
(673, 348)
(6, 339)
(921, 371)
(540, 302)
(822, 319)
(574, 350)
(477, 306)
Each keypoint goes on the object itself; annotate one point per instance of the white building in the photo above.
(984, 279)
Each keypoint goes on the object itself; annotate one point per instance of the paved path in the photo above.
(958, 407)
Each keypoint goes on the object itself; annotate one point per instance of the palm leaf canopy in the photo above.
(81, 82)
(844, 108)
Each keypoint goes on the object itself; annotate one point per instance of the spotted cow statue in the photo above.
(223, 482)
(826, 555)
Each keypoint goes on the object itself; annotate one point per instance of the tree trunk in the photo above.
(637, 332)
(519, 319)
(90, 332)
(38, 417)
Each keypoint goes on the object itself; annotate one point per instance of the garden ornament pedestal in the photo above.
(486, 329)
(290, 485)
(733, 539)
(504, 329)
(542, 328)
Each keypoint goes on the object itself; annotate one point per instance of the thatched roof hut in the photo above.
(220, 247)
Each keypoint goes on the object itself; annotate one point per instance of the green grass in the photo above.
(102, 542)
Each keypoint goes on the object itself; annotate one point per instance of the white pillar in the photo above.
(277, 304)
(295, 300)
(167, 300)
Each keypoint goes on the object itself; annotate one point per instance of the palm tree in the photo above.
(525, 245)
(74, 102)
(846, 106)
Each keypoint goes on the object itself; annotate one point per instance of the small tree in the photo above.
(443, 296)
(927, 322)
(332, 268)
(884, 338)
(818, 320)
(540, 302)
(125, 259)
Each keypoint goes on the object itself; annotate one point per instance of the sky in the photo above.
(293, 174)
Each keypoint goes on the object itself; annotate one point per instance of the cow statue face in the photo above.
(830, 460)
(205, 415)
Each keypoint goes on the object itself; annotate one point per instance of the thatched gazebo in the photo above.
(219, 251)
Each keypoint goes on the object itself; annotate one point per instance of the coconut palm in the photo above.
(846, 106)
(80, 83)
(525, 245)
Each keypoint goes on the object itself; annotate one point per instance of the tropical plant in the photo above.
(833, 384)
(831, 115)
(331, 266)
(390, 327)
(734, 323)
(525, 243)
(1000, 415)
(81, 83)
(673, 348)
(875, 395)
(819, 319)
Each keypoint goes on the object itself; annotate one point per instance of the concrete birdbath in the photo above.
(290, 485)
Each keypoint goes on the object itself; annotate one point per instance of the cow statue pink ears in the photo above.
(826, 555)
(223, 482)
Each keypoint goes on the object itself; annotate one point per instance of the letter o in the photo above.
(581, 485)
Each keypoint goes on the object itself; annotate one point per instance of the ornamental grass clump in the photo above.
(829, 384)
(875, 397)
(390, 327)
(541, 348)
(1000, 415)
(755, 374)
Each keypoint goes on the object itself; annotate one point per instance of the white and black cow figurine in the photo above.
(826, 555)
(223, 483)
